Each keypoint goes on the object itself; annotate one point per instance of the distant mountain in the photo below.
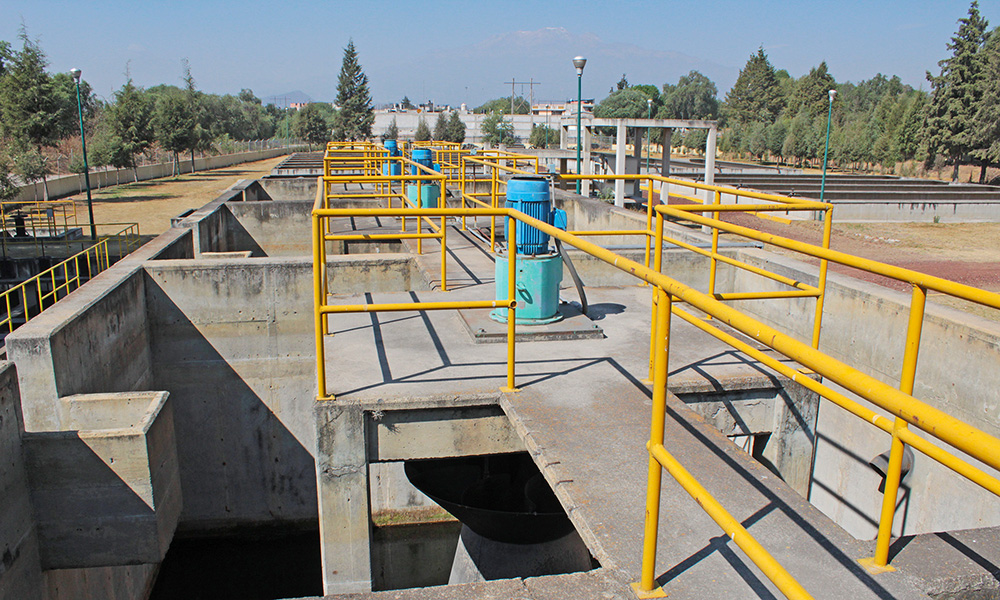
(284, 100)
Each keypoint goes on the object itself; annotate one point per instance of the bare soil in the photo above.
(153, 203)
(967, 253)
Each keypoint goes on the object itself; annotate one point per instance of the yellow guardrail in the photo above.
(29, 298)
(669, 294)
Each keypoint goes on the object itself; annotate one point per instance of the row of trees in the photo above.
(769, 115)
(446, 129)
(38, 112)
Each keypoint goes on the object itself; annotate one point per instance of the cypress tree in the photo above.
(956, 93)
(355, 118)
(987, 119)
(456, 129)
(441, 128)
(756, 95)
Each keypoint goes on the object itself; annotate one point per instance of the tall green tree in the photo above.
(694, 97)
(908, 138)
(441, 128)
(543, 136)
(173, 125)
(956, 92)
(503, 105)
(355, 115)
(812, 92)
(392, 132)
(310, 125)
(456, 128)
(423, 132)
(756, 95)
(29, 108)
(131, 121)
(497, 130)
(986, 138)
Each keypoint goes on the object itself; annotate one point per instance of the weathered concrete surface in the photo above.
(289, 188)
(106, 489)
(591, 584)
(233, 343)
(344, 511)
(958, 372)
(439, 432)
(772, 410)
(20, 568)
(131, 582)
(93, 340)
(592, 387)
(957, 565)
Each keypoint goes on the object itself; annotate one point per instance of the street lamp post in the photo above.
(86, 168)
(649, 141)
(826, 148)
(579, 62)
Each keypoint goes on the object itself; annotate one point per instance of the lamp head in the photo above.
(76, 74)
(833, 93)
(579, 62)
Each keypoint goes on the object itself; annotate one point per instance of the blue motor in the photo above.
(531, 196)
(392, 167)
(422, 156)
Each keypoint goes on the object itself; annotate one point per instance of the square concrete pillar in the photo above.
(342, 487)
(620, 140)
(637, 136)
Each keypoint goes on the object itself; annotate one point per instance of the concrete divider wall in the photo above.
(289, 188)
(272, 228)
(865, 325)
(233, 343)
(94, 340)
(68, 185)
(20, 568)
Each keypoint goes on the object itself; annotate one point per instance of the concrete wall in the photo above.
(94, 340)
(289, 188)
(20, 568)
(233, 342)
(865, 325)
(68, 185)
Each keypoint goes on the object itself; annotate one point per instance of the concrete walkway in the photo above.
(584, 415)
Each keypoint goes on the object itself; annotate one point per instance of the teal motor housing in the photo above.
(426, 198)
(537, 292)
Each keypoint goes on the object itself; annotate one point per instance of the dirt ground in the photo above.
(967, 253)
(153, 203)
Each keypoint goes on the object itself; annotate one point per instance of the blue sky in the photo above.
(454, 52)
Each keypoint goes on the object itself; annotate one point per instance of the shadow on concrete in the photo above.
(774, 503)
(239, 463)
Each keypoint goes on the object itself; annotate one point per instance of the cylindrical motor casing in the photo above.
(531, 196)
(537, 293)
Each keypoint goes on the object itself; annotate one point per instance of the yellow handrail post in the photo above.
(713, 265)
(444, 252)
(823, 265)
(512, 299)
(319, 300)
(657, 266)
(647, 585)
(893, 475)
(461, 186)
(649, 219)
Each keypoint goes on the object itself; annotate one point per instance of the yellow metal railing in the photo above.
(29, 298)
(669, 294)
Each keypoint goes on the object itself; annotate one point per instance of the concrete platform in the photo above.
(583, 413)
